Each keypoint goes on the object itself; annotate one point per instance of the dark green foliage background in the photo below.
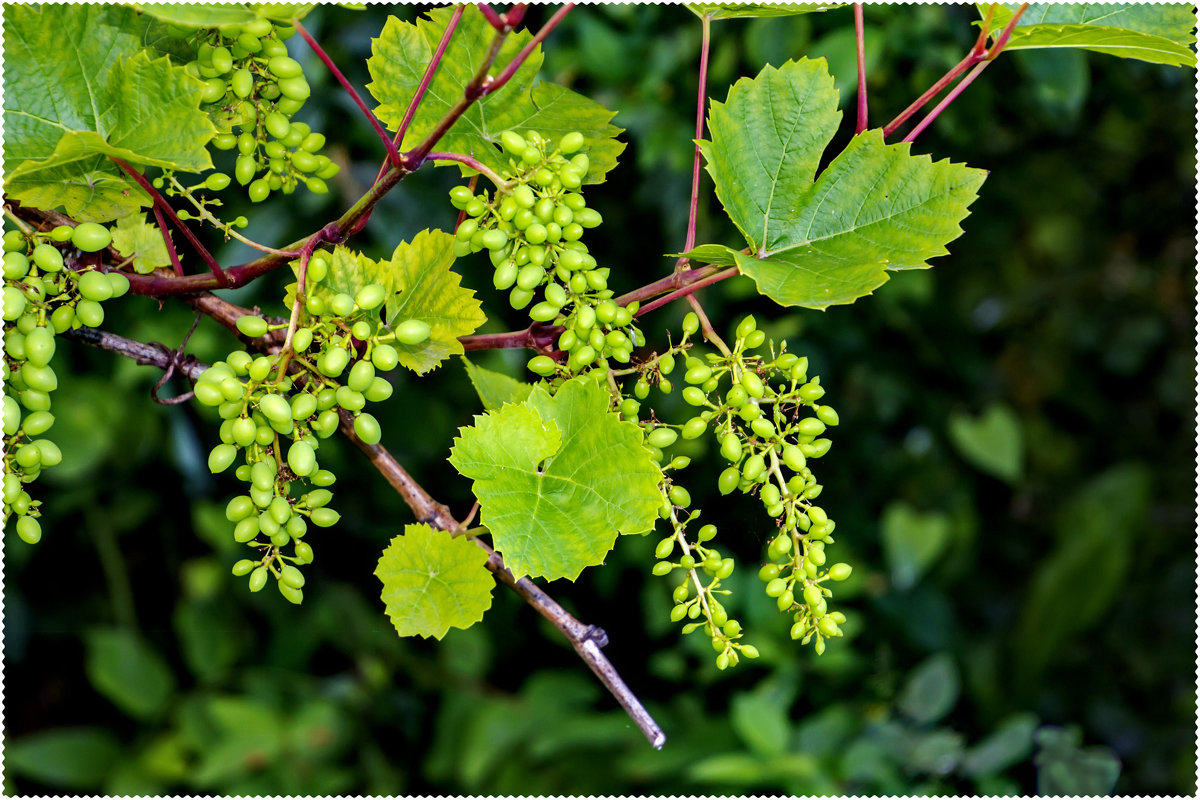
(1066, 595)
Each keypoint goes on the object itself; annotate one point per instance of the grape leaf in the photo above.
(433, 582)
(397, 64)
(557, 478)
(134, 238)
(1161, 33)
(349, 271)
(430, 292)
(734, 10)
(832, 240)
(495, 388)
(109, 98)
(222, 15)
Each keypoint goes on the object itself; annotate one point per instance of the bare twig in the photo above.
(586, 639)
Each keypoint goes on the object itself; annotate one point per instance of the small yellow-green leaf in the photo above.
(495, 388)
(433, 582)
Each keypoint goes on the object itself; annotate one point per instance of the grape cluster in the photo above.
(532, 228)
(44, 295)
(277, 408)
(768, 423)
(252, 84)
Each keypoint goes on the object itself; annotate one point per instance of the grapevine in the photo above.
(564, 461)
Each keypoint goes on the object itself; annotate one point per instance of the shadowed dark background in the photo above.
(1013, 479)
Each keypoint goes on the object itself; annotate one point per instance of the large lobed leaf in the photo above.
(1161, 33)
(818, 243)
(433, 582)
(223, 15)
(402, 52)
(78, 89)
(557, 478)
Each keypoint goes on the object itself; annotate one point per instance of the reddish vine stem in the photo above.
(492, 17)
(701, 93)
(515, 14)
(979, 53)
(430, 70)
(166, 234)
(860, 46)
(687, 291)
(473, 163)
(988, 56)
(393, 153)
(160, 202)
(520, 58)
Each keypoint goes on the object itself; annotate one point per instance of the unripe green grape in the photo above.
(29, 529)
(304, 553)
(811, 392)
(252, 326)
(581, 358)
(318, 498)
(694, 428)
(412, 332)
(94, 286)
(731, 447)
(285, 67)
(296, 88)
(762, 428)
(324, 517)
(259, 190)
(39, 378)
(812, 595)
(588, 218)
(258, 579)
(378, 391)
(776, 587)
(780, 546)
(661, 438)
(333, 361)
(35, 400)
(266, 520)
(39, 346)
(220, 457)
(662, 568)
(48, 452)
(768, 572)
(280, 510)
(291, 576)
(14, 303)
(385, 357)
(840, 571)
(370, 296)
(542, 365)
(680, 496)
(769, 495)
(37, 423)
(349, 399)
(48, 257)
(239, 508)
(301, 459)
(242, 83)
(244, 567)
(246, 529)
(118, 283)
(753, 384)
(793, 458)
(697, 375)
(665, 548)
(15, 240)
(12, 416)
(277, 125)
(810, 426)
(214, 90)
(729, 480)
(755, 340)
(367, 428)
(543, 312)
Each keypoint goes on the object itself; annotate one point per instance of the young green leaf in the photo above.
(430, 292)
(134, 238)
(814, 244)
(433, 582)
(557, 478)
(1161, 33)
(495, 388)
(402, 52)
